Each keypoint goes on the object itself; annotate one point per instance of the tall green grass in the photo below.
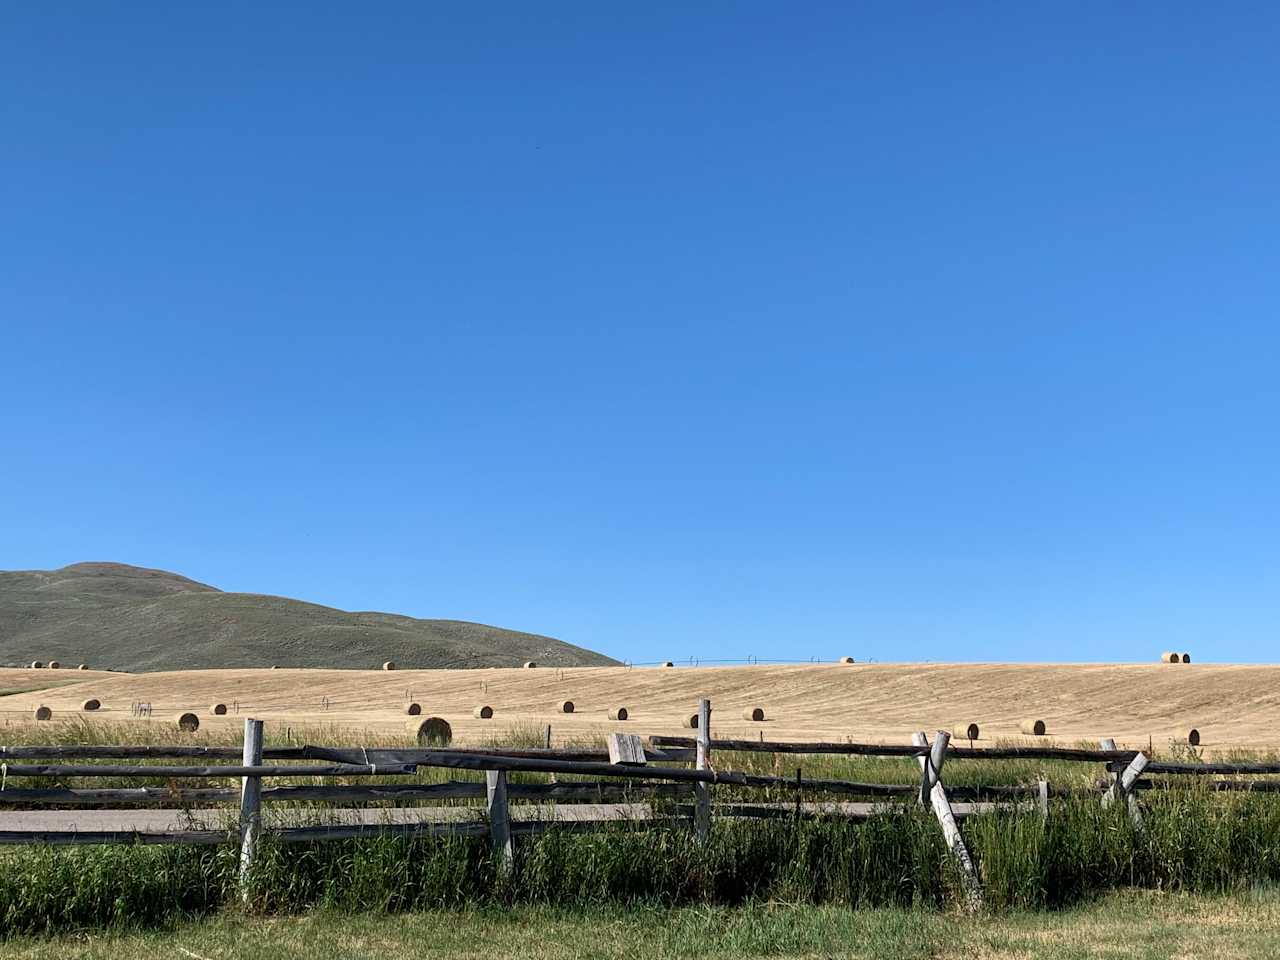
(1193, 841)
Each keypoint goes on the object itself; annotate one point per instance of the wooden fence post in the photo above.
(1106, 743)
(1044, 799)
(499, 818)
(702, 791)
(250, 800)
(946, 817)
(1123, 787)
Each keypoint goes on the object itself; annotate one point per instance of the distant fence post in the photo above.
(499, 818)
(702, 791)
(250, 800)
(942, 810)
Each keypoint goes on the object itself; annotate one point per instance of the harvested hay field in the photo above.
(1230, 706)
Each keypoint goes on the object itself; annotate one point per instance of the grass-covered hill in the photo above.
(115, 616)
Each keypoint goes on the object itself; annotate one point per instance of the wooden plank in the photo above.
(1232, 786)
(345, 831)
(626, 748)
(413, 755)
(357, 755)
(61, 838)
(701, 791)
(587, 791)
(898, 750)
(250, 800)
(1200, 769)
(129, 752)
(499, 818)
(197, 773)
(950, 829)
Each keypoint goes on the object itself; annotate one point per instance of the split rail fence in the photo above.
(631, 770)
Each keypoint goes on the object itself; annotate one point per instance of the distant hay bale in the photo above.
(1193, 737)
(43, 713)
(667, 663)
(93, 703)
(188, 722)
(690, 722)
(1032, 728)
(83, 666)
(966, 731)
(530, 664)
(483, 712)
(37, 664)
(389, 665)
(846, 660)
(413, 709)
(218, 709)
(1186, 658)
(754, 714)
(54, 665)
(566, 706)
(432, 732)
(1170, 657)
(618, 713)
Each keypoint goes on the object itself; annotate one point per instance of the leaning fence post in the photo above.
(499, 818)
(942, 810)
(702, 791)
(250, 800)
(1123, 787)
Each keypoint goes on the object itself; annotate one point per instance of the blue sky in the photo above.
(725, 330)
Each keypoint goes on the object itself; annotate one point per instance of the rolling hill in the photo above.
(119, 617)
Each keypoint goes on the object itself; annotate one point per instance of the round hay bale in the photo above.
(1186, 658)
(530, 664)
(188, 722)
(483, 712)
(414, 709)
(37, 664)
(690, 722)
(83, 666)
(566, 706)
(1193, 737)
(754, 714)
(618, 713)
(218, 709)
(93, 703)
(389, 665)
(43, 713)
(667, 663)
(966, 731)
(846, 660)
(432, 732)
(54, 665)
(1170, 657)
(1033, 728)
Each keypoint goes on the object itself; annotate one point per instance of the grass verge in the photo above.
(1127, 926)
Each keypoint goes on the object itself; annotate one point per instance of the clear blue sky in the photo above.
(894, 330)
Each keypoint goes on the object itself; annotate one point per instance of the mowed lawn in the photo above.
(1129, 925)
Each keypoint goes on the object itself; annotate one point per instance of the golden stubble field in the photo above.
(1233, 706)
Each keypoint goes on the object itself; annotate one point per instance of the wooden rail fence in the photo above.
(629, 770)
